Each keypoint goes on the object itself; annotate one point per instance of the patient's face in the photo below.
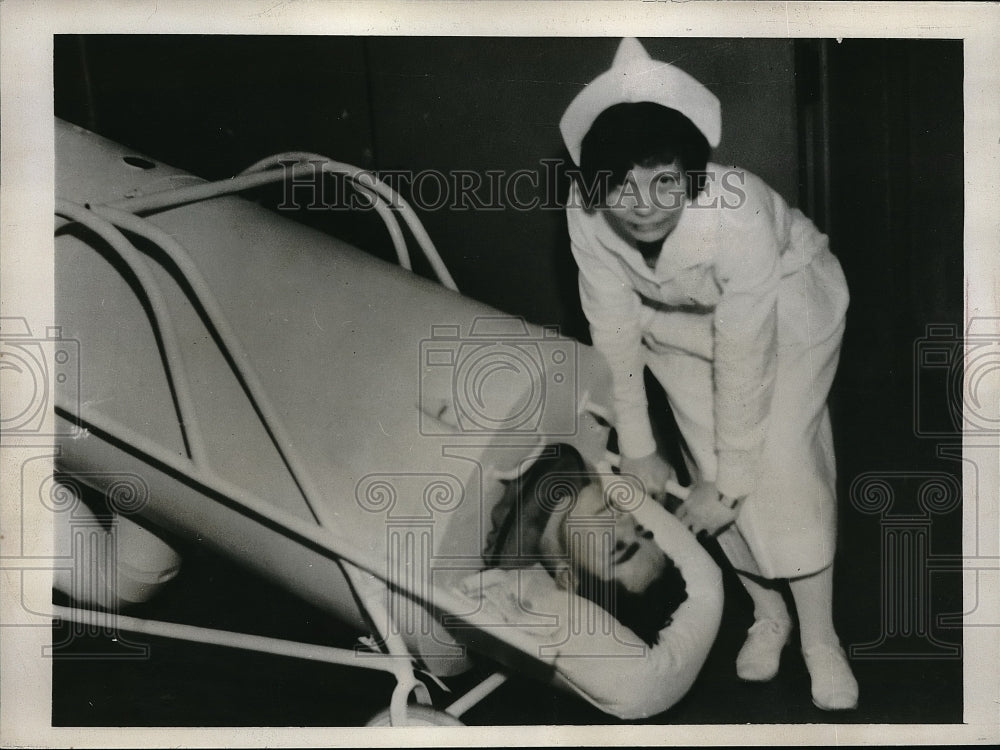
(610, 543)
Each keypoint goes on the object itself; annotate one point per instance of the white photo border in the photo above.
(26, 283)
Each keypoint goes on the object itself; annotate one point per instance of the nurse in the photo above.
(735, 302)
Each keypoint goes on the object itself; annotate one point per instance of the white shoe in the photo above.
(760, 656)
(833, 685)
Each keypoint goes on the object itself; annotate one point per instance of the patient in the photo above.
(556, 514)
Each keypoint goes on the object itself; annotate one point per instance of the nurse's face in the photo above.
(610, 543)
(648, 204)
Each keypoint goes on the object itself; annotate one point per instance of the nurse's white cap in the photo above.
(635, 77)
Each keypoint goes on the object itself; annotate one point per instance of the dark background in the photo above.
(866, 136)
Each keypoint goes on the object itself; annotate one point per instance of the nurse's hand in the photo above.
(651, 470)
(703, 511)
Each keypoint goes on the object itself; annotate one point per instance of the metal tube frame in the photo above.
(107, 221)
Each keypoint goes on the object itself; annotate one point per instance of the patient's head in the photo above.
(602, 541)
(645, 612)
(599, 551)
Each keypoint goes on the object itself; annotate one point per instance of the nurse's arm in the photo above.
(745, 352)
(612, 308)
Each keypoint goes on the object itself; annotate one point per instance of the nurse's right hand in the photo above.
(651, 470)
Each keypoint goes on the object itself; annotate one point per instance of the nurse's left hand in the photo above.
(702, 510)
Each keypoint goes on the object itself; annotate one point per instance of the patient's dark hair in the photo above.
(557, 476)
(554, 479)
(645, 613)
(641, 134)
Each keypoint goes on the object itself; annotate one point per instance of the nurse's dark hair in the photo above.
(645, 613)
(643, 134)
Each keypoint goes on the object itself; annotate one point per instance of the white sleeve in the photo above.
(650, 683)
(746, 343)
(612, 307)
